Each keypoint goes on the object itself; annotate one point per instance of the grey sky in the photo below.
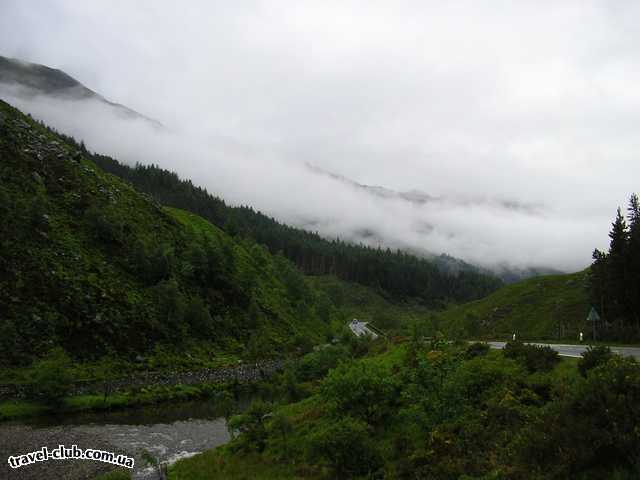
(534, 102)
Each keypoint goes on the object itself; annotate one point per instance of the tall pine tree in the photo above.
(633, 260)
(617, 268)
(614, 280)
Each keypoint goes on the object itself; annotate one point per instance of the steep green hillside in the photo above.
(548, 307)
(402, 275)
(88, 263)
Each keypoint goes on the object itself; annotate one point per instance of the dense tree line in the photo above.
(615, 275)
(398, 273)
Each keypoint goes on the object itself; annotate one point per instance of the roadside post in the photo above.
(593, 317)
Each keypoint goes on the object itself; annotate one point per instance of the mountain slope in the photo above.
(549, 307)
(88, 263)
(397, 273)
(35, 79)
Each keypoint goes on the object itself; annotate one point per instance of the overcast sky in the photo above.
(534, 103)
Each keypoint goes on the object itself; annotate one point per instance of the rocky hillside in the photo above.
(90, 264)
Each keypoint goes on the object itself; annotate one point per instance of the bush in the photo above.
(348, 447)
(475, 379)
(358, 346)
(590, 433)
(199, 319)
(536, 358)
(476, 349)
(362, 390)
(105, 228)
(594, 357)
(252, 426)
(50, 379)
(316, 364)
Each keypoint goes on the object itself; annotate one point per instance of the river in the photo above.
(167, 431)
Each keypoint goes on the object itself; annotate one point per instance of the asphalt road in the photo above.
(577, 350)
(360, 328)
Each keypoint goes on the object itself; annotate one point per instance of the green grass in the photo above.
(21, 408)
(14, 409)
(118, 474)
(197, 223)
(546, 308)
(212, 465)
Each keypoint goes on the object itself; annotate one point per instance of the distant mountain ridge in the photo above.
(445, 262)
(418, 197)
(34, 79)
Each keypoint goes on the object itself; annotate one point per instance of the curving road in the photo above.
(577, 350)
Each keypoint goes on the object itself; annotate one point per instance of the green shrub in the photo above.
(347, 446)
(360, 389)
(594, 357)
(316, 364)
(537, 358)
(50, 379)
(476, 349)
(594, 429)
(358, 346)
(251, 425)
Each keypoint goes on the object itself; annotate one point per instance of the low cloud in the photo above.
(520, 121)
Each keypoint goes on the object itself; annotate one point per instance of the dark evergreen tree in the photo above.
(617, 268)
(614, 280)
(633, 260)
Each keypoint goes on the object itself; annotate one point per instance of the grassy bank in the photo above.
(215, 464)
(15, 409)
(119, 474)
